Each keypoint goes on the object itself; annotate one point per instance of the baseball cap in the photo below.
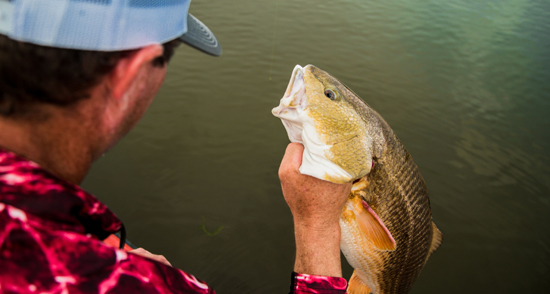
(104, 25)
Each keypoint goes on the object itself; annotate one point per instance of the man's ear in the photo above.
(127, 68)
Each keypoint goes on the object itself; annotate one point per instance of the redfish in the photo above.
(386, 224)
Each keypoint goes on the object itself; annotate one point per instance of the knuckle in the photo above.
(284, 172)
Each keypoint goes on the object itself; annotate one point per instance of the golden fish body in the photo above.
(387, 228)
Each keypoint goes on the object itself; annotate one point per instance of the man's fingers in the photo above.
(147, 254)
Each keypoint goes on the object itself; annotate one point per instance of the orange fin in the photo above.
(360, 184)
(437, 238)
(372, 226)
(356, 286)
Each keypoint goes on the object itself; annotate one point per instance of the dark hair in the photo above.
(31, 74)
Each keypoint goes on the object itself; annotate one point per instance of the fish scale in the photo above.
(402, 192)
(386, 224)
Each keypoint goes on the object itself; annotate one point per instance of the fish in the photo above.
(387, 232)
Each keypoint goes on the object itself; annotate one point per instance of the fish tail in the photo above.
(356, 286)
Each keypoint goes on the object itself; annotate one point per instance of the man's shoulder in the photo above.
(27, 186)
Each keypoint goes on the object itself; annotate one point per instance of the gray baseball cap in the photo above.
(104, 25)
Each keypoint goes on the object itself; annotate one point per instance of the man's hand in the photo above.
(316, 206)
(147, 254)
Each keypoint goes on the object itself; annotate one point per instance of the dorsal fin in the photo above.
(437, 237)
(356, 286)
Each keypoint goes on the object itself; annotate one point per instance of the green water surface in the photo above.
(464, 84)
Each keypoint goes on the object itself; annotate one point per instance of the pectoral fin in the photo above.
(356, 286)
(372, 227)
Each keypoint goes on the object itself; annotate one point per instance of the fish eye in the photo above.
(330, 94)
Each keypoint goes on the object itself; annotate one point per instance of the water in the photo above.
(464, 84)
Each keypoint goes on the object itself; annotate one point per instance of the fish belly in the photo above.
(360, 253)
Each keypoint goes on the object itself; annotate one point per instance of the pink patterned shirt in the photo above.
(51, 236)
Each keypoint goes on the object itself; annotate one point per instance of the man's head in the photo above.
(48, 56)
(88, 68)
(32, 74)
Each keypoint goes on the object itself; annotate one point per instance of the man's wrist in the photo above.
(318, 250)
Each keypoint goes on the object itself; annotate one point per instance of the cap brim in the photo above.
(199, 36)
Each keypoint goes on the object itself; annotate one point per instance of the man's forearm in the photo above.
(316, 206)
(317, 251)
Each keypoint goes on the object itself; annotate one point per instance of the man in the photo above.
(76, 76)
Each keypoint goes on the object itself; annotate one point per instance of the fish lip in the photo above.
(295, 96)
(297, 69)
(293, 105)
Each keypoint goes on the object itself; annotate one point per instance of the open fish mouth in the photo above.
(296, 89)
(293, 104)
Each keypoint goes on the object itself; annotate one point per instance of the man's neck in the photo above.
(60, 144)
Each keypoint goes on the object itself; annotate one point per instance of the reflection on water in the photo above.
(463, 83)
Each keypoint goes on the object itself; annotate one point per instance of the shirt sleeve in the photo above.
(306, 284)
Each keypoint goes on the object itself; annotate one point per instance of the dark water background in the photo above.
(464, 84)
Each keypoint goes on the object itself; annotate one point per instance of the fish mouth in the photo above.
(295, 94)
(296, 87)
(293, 103)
